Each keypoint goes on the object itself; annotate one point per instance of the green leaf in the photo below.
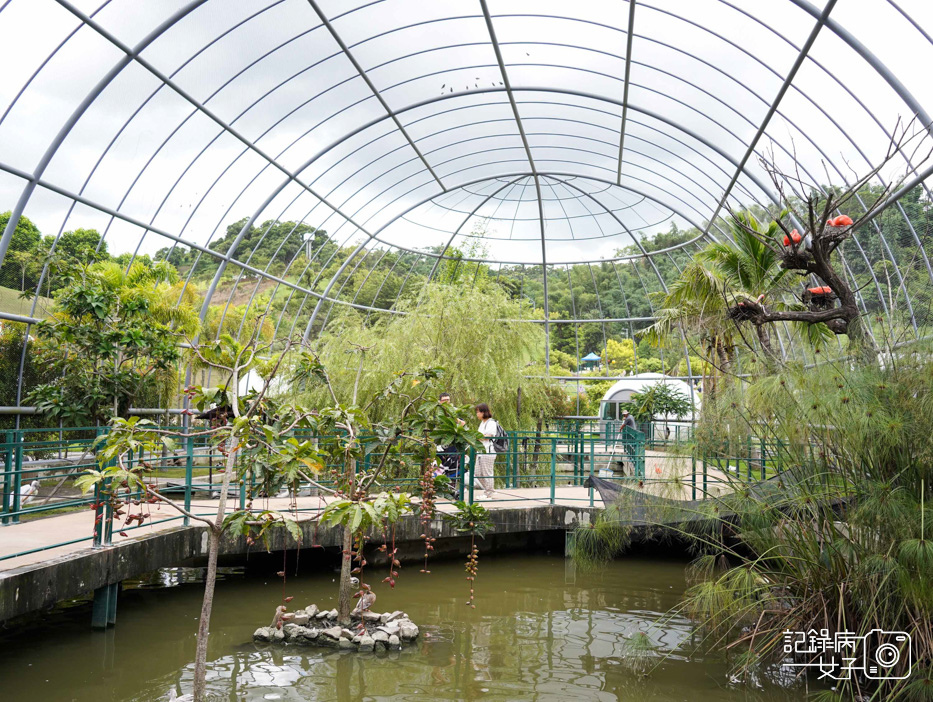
(87, 481)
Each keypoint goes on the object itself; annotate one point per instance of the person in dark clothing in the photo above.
(449, 456)
(628, 420)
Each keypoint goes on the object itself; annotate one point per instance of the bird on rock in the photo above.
(367, 599)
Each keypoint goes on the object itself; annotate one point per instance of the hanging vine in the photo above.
(473, 520)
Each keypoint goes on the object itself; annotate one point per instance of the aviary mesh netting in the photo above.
(296, 158)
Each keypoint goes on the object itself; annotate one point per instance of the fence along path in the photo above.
(539, 468)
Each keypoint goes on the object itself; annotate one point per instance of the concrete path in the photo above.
(666, 476)
(46, 534)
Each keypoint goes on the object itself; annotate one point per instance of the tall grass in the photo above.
(839, 541)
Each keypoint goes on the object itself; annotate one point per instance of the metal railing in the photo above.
(537, 467)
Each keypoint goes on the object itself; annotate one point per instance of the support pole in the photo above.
(553, 468)
(7, 506)
(17, 473)
(189, 470)
(100, 611)
(472, 472)
(114, 590)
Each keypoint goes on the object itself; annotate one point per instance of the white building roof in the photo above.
(643, 381)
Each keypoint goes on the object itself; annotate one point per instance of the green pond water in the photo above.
(541, 630)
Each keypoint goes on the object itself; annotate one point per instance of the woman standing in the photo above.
(485, 462)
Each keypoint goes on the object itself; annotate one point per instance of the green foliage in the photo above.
(661, 399)
(620, 356)
(361, 515)
(839, 541)
(721, 276)
(595, 390)
(563, 361)
(470, 519)
(111, 342)
(35, 371)
(269, 241)
(79, 248)
(485, 360)
(22, 264)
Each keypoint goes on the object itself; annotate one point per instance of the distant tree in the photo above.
(660, 400)
(620, 355)
(562, 360)
(486, 357)
(80, 247)
(271, 239)
(23, 258)
(112, 339)
(175, 255)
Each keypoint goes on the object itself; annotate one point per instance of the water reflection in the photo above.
(533, 636)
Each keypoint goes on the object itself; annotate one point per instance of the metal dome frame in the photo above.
(376, 159)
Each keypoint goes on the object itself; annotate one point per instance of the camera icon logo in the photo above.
(884, 653)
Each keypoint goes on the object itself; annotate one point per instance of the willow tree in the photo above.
(476, 335)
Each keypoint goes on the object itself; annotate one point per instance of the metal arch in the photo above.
(378, 95)
(531, 162)
(129, 55)
(798, 62)
(844, 132)
(346, 136)
(628, 72)
(466, 219)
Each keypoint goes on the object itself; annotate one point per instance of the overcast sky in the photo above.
(292, 104)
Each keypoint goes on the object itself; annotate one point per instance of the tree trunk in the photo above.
(764, 338)
(210, 579)
(345, 596)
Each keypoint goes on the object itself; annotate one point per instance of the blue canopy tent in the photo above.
(589, 362)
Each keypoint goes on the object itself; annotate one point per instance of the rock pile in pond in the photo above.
(314, 627)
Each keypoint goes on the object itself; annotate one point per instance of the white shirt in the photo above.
(26, 492)
(488, 426)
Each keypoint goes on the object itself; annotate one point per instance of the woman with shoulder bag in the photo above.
(485, 462)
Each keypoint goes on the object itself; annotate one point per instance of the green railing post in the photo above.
(573, 445)
(98, 539)
(693, 476)
(8, 478)
(592, 467)
(515, 473)
(17, 473)
(553, 468)
(461, 474)
(189, 471)
(705, 483)
(762, 454)
(472, 471)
